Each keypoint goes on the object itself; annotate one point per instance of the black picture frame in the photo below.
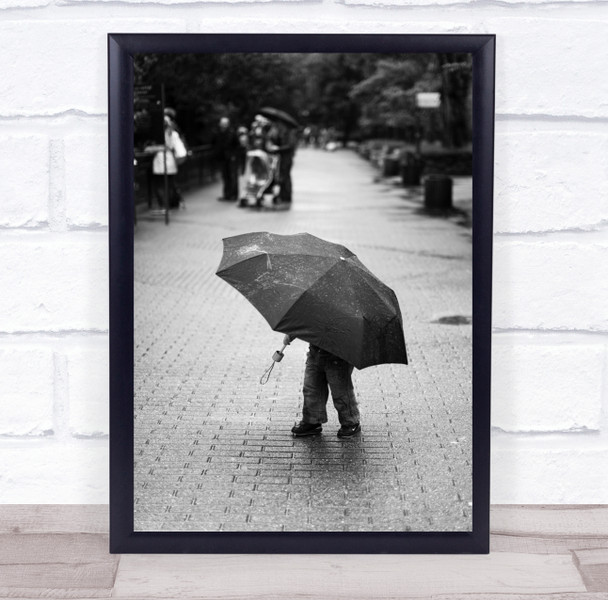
(123, 538)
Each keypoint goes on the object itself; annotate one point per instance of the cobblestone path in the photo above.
(213, 447)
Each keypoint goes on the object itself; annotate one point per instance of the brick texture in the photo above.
(54, 282)
(549, 66)
(23, 3)
(551, 285)
(86, 167)
(66, 69)
(88, 391)
(546, 386)
(538, 190)
(53, 472)
(27, 391)
(24, 191)
(550, 474)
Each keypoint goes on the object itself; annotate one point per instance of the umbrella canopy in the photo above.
(319, 292)
(279, 115)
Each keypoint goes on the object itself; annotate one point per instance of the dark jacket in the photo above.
(226, 144)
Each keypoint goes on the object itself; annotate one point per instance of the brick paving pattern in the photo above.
(213, 448)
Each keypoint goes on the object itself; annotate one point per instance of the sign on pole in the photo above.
(148, 101)
(428, 100)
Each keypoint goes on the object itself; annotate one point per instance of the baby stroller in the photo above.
(261, 185)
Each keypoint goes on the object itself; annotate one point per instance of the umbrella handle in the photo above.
(276, 357)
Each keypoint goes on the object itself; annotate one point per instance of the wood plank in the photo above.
(50, 518)
(42, 565)
(41, 548)
(61, 594)
(550, 520)
(505, 519)
(531, 548)
(597, 556)
(254, 577)
(52, 580)
(300, 596)
(593, 566)
(544, 545)
(567, 596)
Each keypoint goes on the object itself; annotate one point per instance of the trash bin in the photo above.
(411, 169)
(390, 166)
(438, 192)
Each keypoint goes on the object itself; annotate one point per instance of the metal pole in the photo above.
(166, 177)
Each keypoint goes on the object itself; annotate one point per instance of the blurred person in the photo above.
(171, 114)
(307, 136)
(323, 138)
(227, 152)
(282, 142)
(243, 137)
(261, 176)
(166, 160)
(259, 132)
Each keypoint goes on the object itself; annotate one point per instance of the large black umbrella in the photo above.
(319, 292)
(279, 115)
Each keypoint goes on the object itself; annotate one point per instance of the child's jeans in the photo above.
(325, 372)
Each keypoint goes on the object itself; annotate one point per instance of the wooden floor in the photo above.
(548, 552)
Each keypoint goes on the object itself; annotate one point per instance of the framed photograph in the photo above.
(300, 293)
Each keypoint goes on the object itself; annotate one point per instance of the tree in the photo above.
(456, 82)
(352, 93)
(387, 96)
(326, 98)
(204, 87)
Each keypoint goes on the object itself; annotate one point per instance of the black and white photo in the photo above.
(304, 326)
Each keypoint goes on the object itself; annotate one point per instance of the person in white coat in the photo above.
(166, 160)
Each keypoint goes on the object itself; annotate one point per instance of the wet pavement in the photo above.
(213, 447)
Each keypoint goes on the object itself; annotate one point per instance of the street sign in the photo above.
(148, 108)
(428, 100)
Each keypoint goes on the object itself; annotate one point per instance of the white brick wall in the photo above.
(28, 380)
(86, 180)
(550, 390)
(54, 471)
(87, 391)
(53, 282)
(24, 191)
(545, 194)
(551, 283)
(547, 383)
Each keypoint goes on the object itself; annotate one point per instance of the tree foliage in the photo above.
(354, 94)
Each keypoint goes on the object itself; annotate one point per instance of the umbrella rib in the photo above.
(334, 266)
(375, 280)
(303, 291)
(239, 262)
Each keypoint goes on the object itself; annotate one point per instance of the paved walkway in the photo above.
(213, 447)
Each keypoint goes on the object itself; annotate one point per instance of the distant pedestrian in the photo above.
(307, 136)
(326, 372)
(290, 142)
(227, 151)
(181, 156)
(243, 137)
(165, 161)
(282, 142)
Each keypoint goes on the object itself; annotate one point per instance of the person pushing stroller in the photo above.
(261, 173)
(267, 175)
